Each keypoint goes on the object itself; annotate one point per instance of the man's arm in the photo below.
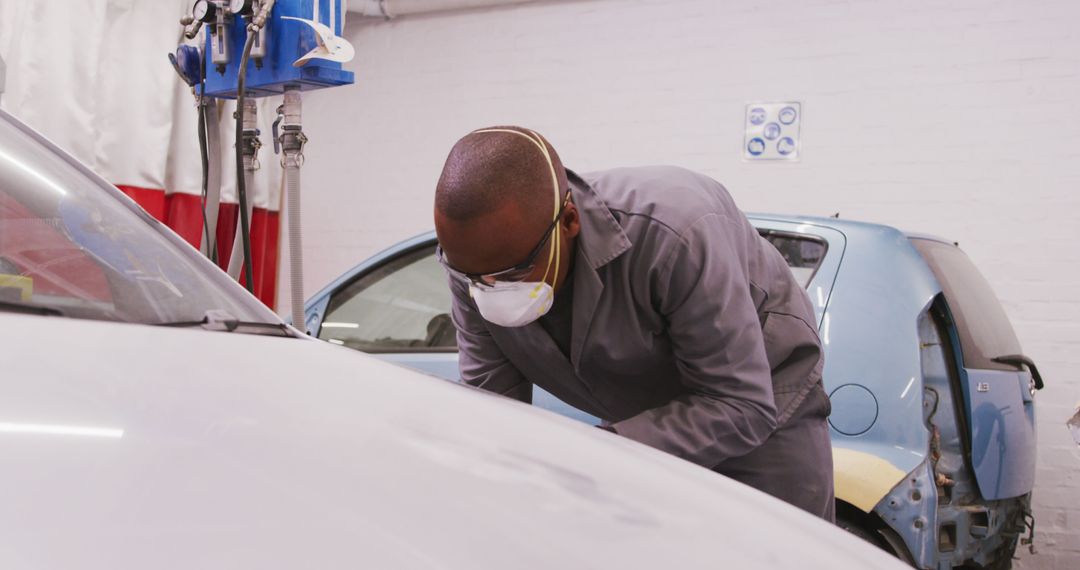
(480, 360)
(703, 292)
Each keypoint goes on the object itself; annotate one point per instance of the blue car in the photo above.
(933, 423)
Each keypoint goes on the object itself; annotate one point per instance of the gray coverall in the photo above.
(687, 333)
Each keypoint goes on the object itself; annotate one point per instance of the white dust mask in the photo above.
(513, 304)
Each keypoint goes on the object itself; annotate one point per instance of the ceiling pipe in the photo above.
(390, 9)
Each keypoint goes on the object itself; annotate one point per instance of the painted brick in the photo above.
(954, 118)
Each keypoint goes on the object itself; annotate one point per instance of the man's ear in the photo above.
(571, 220)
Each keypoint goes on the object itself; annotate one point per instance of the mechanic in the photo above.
(642, 296)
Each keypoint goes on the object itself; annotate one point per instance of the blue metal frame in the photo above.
(286, 41)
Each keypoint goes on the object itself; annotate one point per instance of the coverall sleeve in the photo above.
(480, 360)
(703, 294)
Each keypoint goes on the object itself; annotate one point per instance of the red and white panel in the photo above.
(93, 76)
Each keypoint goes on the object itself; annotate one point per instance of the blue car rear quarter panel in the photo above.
(871, 339)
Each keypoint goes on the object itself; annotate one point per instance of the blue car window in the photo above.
(803, 254)
(401, 306)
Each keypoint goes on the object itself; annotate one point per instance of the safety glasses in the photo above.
(514, 274)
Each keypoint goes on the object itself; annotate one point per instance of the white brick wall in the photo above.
(958, 118)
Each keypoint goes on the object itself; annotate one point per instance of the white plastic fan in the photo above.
(330, 47)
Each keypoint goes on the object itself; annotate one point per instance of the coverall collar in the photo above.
(602, 239)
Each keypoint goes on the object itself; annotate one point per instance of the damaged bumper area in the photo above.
(938, 514)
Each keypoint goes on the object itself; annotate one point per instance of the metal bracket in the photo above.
(1029, 523)
(249, 138)
(289, 140)
(293, 141)
(250, 145)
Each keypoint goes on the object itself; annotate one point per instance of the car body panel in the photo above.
(875, 345)
(445, 366)
(265, 452)
(1003, 432)
(862, 478)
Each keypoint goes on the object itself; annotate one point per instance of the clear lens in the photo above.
(511, 276)
(507, 276)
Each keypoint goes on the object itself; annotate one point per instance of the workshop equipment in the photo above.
(258, 48)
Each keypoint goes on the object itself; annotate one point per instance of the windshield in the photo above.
(71, 242)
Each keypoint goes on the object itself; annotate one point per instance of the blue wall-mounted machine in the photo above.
(250, 49)
(300, 45)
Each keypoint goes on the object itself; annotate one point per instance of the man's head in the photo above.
(495, 205)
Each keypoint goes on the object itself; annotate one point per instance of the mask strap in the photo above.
(556, 245)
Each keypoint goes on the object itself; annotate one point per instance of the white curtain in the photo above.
(93, 76)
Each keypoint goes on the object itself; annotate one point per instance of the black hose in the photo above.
(204, 157)
(241, 190)
(205, 162)
(204, 152)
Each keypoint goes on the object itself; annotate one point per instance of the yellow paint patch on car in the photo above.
(863, 479)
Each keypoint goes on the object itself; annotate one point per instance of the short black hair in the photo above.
(485, 169)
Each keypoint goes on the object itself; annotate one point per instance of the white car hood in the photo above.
(135, 447)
